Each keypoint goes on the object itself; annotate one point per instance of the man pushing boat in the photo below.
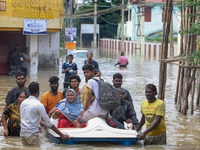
(153, 115)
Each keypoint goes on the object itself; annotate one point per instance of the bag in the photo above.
(108, 95)
(13, 71)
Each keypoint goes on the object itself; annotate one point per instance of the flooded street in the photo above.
(182, 131)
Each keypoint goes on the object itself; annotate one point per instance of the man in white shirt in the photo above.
(95, 110)
(31, 111)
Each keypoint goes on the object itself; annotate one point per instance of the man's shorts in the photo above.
(156, 139)
(31, 140)
(89, 115)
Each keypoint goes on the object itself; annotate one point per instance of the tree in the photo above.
(108, 22)
(189, 57)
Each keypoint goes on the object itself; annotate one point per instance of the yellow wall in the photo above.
(17, 10)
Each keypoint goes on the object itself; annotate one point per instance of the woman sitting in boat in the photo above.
(12, 114)
(67, 110)
(124, 113)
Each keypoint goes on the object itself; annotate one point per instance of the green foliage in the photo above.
(193, 58)
(108, 25)
(119, 2)
(194, 30)
(158, 38)
(62, 33)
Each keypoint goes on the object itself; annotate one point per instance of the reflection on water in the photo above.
(182, 131)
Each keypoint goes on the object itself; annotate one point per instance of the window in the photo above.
(147, 14)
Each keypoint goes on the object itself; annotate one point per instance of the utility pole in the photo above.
(122, 27)
(66, 22)
(71, 13)
(95, 24)
(171, 38)
(141, 29)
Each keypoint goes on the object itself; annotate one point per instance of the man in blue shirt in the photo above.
(91, 61)
(69, 67)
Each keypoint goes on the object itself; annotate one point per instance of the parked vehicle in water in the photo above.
(78, 53)
(81, 54)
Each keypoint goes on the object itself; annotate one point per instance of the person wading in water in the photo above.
(153, 115)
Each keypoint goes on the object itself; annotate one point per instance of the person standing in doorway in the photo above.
(153, 115)
(91, 61)
(123, 61)
(25, 63)
(69, 68)
(15, 60)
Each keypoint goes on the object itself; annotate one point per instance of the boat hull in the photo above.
(96, 130)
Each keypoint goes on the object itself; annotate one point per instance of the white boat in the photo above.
(96, 130)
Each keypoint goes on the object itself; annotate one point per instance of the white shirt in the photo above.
(31, 111)
(96, 108)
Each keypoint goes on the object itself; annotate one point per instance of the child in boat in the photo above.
(68, 110)
(123, 113)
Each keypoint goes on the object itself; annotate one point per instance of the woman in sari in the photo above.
(67, 110)
(12, 114)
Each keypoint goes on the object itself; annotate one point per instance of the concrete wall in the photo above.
(32, 43)
(49, 46)
(134, 22)
(156, 23)
(44, 50)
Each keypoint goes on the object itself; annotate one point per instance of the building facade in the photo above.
(153, 19)
(44, 49)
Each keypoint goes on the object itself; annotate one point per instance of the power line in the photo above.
(108, 22)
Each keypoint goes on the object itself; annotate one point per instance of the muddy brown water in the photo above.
(182, 131)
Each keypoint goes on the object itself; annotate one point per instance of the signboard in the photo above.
(13, 13)
(70, 33)
(70, 45)
(2, 6)
(89, 28)
(35, 26)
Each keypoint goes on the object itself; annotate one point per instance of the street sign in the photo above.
(89, 29)
(35, 26)
(70, 45)
(70, 33)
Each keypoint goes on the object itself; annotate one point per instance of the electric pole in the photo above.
(171, 38)
(122, 27)
(140, 29)
(71, 13)
(95, 24)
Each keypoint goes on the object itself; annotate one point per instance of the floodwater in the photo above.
(182, 131)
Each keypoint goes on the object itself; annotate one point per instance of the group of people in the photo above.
(75, 106)
(19, 60)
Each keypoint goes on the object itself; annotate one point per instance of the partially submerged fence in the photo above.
(151, 48)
